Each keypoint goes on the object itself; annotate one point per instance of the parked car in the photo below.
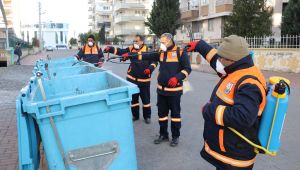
(61, 47)
(49, 48)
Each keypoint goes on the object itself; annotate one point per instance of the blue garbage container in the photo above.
(28, 140)
(92, 115)
(63, 67)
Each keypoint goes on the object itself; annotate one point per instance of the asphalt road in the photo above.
(186, 155)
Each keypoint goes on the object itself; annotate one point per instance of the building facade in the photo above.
(100, 14)
(204, 19)
(129, 17)
(52, 33)
(122, 18)
(12, 13)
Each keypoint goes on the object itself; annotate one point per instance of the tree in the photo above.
(101, 35)
(35, 42)
(291, 18)
(84, 36)
(164, 17)
(116, 40)
(249, 19)
(73, 41)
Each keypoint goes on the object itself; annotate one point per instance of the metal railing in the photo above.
(287, 41)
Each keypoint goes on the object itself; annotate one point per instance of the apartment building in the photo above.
(100, 14)
(11, 9)
(204, 19)
(129, 17)
(278, 8)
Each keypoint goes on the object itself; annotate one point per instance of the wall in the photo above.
(285, 60)
(6, 55)
(282, 60)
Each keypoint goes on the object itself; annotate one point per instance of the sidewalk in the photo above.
(293, 77)
(13, 78)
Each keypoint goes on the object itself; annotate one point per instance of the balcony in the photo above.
(91, 9)
(122, 5)
(224, 6)
(90, 2)
(189, 12)
(120, 19)
(129, 32)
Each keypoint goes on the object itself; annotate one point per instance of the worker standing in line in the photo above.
(174, 68)
(138, 73)
(91, 53)
(237, 101)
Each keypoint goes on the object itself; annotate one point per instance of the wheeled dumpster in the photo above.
(84, 121)
(50, 67)
(62, 72)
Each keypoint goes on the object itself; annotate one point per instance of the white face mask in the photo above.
(220, 68)
(163, 47)
(90, 43)
(136, 46)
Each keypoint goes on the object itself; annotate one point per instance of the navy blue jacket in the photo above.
(241, 115)
(171, 65)
(135, 72)
(91, 54)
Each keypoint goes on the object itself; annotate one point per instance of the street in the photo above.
(150, 156)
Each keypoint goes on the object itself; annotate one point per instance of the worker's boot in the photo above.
(174, 142)
(161, 139)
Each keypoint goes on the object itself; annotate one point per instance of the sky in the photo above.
(73, 12)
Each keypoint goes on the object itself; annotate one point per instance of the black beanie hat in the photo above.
(92, 37)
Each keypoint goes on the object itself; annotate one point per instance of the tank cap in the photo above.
(280, 87)
(275, 79)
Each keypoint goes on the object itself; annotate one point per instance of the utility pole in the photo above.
(40, 27)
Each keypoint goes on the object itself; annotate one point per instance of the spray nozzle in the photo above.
(280, 87)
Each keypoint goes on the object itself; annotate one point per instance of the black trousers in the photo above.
(164, 105)
(135, 105)
(18, 61)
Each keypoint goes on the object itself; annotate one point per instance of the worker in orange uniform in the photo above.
(237, 101)
(138, 73)
(91, 53)
(174, 68)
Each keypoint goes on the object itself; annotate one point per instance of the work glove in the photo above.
(100, 64)
(109, 49)
(191, 46)
(125, 56)
(147, 72)
(173, 81)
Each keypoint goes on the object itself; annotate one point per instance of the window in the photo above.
(61, 36)
(210, 25)
(56, 37)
